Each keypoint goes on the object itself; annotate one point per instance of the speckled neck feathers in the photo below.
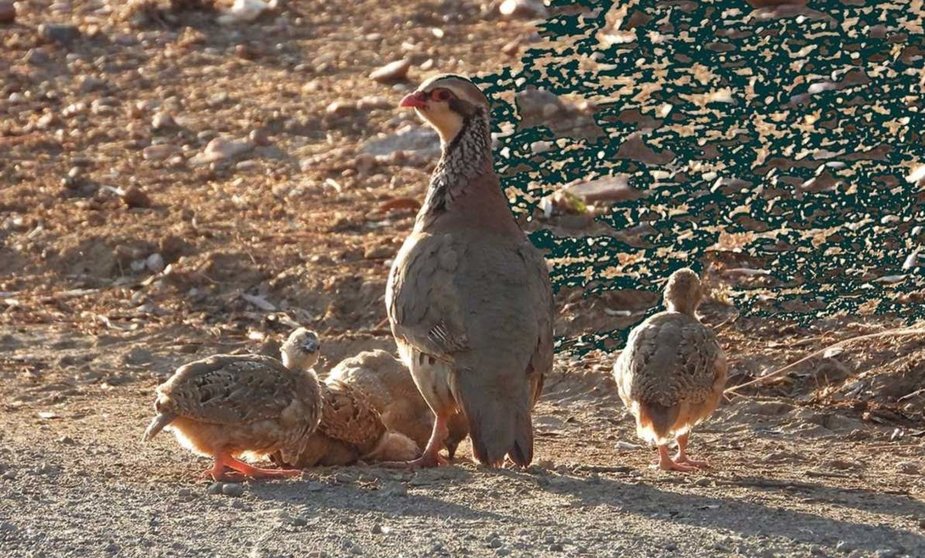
(465, 158)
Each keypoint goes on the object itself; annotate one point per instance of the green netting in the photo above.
(796, 135)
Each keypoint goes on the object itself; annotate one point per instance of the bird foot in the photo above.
(672, 465)
(424, 462)
(224, 476)
(240, 470)
(230, 475)
(692, 462)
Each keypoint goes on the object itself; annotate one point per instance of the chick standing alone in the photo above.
(672, 372)
(226, 406)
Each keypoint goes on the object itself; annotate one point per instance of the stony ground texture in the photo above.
(171, 187)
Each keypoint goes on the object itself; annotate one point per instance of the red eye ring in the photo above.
(442, 95)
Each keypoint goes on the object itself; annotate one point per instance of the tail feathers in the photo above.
(522, 452)
(497, 426)
(658, 418)
(157, 424)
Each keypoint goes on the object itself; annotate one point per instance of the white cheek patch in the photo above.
(445, 121)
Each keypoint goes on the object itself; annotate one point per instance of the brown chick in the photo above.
(390, 388)
(672, 372)
(226, 406)
(350, 430)
(468, 296)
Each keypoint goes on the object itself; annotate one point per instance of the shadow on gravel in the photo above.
(375, 492)
(891, 503)
(754, 518)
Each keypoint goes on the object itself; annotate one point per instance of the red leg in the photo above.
(223, 460)
(431, 456)
(682, 456)
(665, 462)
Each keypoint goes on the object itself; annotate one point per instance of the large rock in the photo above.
(609, 189)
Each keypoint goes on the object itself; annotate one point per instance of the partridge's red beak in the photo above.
(418, 99)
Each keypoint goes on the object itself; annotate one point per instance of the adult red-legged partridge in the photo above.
(350, 430)
(226, 406)
(389, 386)
(468, 296)
(672, 372)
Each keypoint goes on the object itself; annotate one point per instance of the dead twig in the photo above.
(780, 371)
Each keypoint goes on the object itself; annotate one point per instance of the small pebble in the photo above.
(215, 488)
(844, 546)
(220, 149)
(162, 121)
(155, 263)
(511, 47)
(259, 136)
(909, 467)
(158, 152)
(392, 72)
(90, 83)
(7, 12)
(340, 108)
(394, 490)
(135, 197)
(523, 9)
(61, 33)
(233, 489)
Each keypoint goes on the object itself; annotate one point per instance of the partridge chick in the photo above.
(468, 296)
(226, 406)
(672, 372)
(350, 430)
(390, 388)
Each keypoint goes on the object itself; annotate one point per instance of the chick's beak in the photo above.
(418, 99)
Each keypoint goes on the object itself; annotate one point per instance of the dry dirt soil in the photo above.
(100, 190)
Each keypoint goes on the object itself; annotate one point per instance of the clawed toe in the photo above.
(693, 463)
(671, 465)
(423, 462)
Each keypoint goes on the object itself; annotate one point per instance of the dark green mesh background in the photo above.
(795, 135)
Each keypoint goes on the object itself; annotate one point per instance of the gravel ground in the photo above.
(250, 160)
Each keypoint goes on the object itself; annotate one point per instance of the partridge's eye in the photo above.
(442, 95)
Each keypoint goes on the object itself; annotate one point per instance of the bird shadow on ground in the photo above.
(371, 490)
(898, 504)
(750, 518)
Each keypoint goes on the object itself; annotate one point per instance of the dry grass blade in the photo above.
(780, 371)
